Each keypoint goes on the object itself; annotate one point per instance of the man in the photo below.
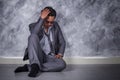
(46, 45)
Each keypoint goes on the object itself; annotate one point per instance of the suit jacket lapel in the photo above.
(53, 33)
(54, 36)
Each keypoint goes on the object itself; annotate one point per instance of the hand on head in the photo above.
(44, 13)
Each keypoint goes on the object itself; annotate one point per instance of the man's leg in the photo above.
(35, 54)
(53, 64)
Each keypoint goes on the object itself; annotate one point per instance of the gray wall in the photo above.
(90, 27)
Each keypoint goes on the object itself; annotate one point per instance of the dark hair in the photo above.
(52, 11)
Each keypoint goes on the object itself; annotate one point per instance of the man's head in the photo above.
(50, 18)
(52, 11)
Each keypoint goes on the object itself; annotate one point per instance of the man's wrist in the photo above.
(42, 17)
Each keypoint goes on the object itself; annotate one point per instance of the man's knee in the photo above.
(62, 66)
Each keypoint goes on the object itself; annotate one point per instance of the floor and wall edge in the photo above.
(69, 60)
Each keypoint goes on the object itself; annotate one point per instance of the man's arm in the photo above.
(37, 27)
(61, 41)
(31, 27)
(43, 15)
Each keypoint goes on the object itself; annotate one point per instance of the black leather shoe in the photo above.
(21, 69)
(34, 70)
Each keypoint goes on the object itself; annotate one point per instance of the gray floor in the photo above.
(72, 72)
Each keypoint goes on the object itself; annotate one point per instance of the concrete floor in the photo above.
(72, 72)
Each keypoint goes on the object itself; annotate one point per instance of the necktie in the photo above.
(50, 43)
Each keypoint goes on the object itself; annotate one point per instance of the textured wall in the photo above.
(90, 27)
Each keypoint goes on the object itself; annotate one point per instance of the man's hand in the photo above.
(44, 13)
(59, 56)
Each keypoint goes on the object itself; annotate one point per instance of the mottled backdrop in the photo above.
(90, 27)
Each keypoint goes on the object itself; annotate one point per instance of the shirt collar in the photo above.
(49, 29)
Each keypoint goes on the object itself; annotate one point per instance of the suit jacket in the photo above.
(58, 39)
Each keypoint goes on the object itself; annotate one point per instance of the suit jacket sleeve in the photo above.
(61, 39)
(36, 27)
(31, 26)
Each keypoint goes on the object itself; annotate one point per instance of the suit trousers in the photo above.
(47, 63)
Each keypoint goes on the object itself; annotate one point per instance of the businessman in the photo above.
(46, 46)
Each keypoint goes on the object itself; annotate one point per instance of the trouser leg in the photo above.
(35, 52)
(53, 64)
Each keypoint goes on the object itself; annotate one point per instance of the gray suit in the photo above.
(35, 53)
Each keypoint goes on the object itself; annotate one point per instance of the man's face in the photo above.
(49, 21)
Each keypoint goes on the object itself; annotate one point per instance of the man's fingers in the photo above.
(44, 13)
(46, 9)
(58, 56)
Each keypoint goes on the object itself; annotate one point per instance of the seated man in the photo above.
(46, 45)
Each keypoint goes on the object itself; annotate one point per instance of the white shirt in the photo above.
(45, 43)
